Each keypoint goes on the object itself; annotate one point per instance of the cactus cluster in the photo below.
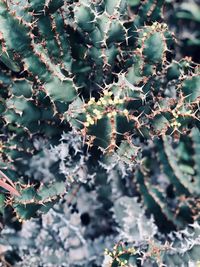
(180, 250)
(92, 97)
(142, 246)
(70, 234)
(172, 188)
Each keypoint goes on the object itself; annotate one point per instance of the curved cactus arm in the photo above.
(181, 250)
(32, 201)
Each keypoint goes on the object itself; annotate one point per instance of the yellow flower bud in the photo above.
(116, 101)
(107, 93)
(91, 101)
(96, 111)
(114, 113)
(91, 122)
(103, 101)
(126, 112)
(88, 116)
(99, 117)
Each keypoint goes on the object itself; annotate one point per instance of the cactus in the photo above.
(93, 98)
(171, 190)
(181, 250)
(124, 110)
(141, 245)
(56, 86)
(64, 236)
(55, 83)
(142, 227)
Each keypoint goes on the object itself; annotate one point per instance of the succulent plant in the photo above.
(93, 98)
(180, 250)
(169, 180)
(143, 246)
(70, 234)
